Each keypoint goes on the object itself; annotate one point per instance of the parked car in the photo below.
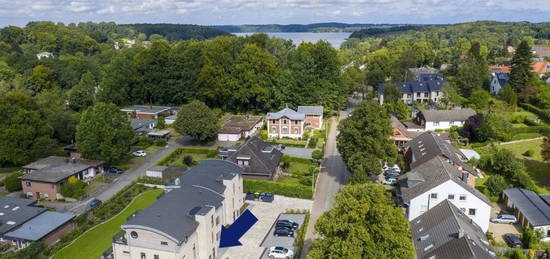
(283, 231)
(266, 196)
(287, 223)
(391, 174)
(139, 153)
(396, 169)
(513, 241)
(280, 252)
(389, 181)
(504, 218)
(114, 170)
(93, 204)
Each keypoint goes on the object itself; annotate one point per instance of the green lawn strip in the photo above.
(131, 162)
(95, 241)
(175, 158)
(279, 188)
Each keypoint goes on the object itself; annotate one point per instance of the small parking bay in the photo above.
(287, 242)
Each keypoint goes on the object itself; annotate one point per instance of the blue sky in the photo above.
(19, 12)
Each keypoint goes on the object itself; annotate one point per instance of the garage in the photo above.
(229, 137)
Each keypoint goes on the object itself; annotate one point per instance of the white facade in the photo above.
(228, 137)
(441, 125)
(478, 210)
(495, 86)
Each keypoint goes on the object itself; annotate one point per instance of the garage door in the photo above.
(228, 137)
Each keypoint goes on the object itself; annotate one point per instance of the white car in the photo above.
(389, 181)
(280, 252)
(396, 169)
(504, 218)
(139, 153)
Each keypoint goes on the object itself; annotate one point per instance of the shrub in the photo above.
(188, 160)
(74, 188)
(263, 134)
(317, 154)
(300, 235)
(529, 153)
(151, 180)
(284, 189)
(517, 254)
(12, 181)
(160, 142)
(496, 184)
(529, 238)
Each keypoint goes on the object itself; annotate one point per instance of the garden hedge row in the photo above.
(284, 189)
(543, 114)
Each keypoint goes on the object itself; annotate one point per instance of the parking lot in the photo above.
(286, 242)
(267, 213)
(499, 229)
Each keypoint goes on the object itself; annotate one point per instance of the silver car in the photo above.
(504, 218)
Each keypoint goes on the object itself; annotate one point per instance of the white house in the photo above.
(498, 80)
(432, 120)
(44, 54)
(437, 180)
(239, 126)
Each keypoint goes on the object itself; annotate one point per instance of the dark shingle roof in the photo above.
(534, 207)
(16, 211)
(311, 110)
(264, 158)
(448, 115)
(286, 112)
(431, 174)
(142, 125)
(40, 226)
(55, 168)
(445, 232)
(149, 109)
(430, 84)
(502, 78)
(211, 173)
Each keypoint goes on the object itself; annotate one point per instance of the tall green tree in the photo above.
(521, 67)
(63, 121)
(42, 78)
(83, 94)
(364, 223)
(364, 140)
(118, 79)
(104, 133)
(197, 120)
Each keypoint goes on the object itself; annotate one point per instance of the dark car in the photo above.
(93, 204)
(283, 231)
(265, 196)
(513, 241)
(287, 223)
(114, 170)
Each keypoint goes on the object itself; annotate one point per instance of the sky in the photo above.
(217, 12)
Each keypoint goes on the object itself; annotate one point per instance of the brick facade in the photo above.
(314, 121)
(285, 127)
(40, 190)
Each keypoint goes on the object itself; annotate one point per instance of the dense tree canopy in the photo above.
(197, 120)
(364, 223)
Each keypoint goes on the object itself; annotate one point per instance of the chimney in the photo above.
(460, 233)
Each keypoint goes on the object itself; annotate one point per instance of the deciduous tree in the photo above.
(197, 120)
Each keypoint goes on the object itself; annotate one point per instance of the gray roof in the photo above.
(429, 145)
(431, 174)
(201, 190)
(311, 110)
(239, 123)
(40, 226)
(11, 217)
(148, 109)
(142, 125)
(535, 208)
(55, 168)
(448, 115)
(157, 168)
(286, 112)
(264, 159)
(445, 232)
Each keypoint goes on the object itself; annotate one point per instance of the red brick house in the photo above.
(286, 123)
(314, 116)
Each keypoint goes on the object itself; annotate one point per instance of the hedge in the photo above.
(12, 181)
(284, 189)
(543, 114)
(531, 129)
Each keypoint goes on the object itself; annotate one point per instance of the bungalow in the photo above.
(531, 210)
(142, 126)
(431, 120)
(257, 158)
(44, 178)
(437, 180)
(498, 81)
(314, 116)
(147, 112)
(22, 223)
(286, 123)
(239, 126)
(425, 89)
(445, 231)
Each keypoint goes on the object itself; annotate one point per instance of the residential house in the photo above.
(531, 210)
(437, 180)
(419, 72)
(429, 145)
(401, 134)
(147, 112)
(286, 123)
(541, 52)
(21, 223)
(170, 119)
(44, 178)
(500, 69)
(541, 67)
(44, 54)
(142, 126)
(427, 88)
(314, 116)
(258, 158)
(444, 231)
(239, 126)
(498, 81)
(431, 120)
(186, 222)
(164, 172)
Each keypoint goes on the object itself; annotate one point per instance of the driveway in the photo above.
(286, 242)
(267, 213)
(298, 152)
(499, 229)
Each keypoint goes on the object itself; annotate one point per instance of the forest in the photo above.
(42, 98)
(314, 27)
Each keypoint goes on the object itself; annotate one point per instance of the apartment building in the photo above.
(424, 89)
(185, 222)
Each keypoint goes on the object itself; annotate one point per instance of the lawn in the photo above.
(94, 242)
(176, 157)
(131, 162)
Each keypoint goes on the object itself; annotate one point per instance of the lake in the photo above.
(334, 38)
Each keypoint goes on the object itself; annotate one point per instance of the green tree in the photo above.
(42, 78)
(480, 98)
(364, 140)
(161, 123)
(63, 121)
(545, 149)
(521, 67)
(83, 94)
(364, 223)
(12, 181)
(104, 133)
(503, 162)
(197, 120)
(118, 79)
(496, 184)
(493, 127)
(529, 238)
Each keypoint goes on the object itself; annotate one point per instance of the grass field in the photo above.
(93, 243)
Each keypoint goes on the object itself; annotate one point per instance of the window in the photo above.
(126, 252)
(451, 197)
(451, 123)
(212, 220)
(436, 123)
(27, 183)
(296, 131)
(164, 243)
(273, 121)
(437, 93)
(284, 121)
(462, 197)
(433, 195)
(218, 218)
(409, 96)
(212, 234)
(156, 256)
(296, 122)
(134, 234)
(143, 256)
(417, 94)
(472, 212)
(426, 95)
